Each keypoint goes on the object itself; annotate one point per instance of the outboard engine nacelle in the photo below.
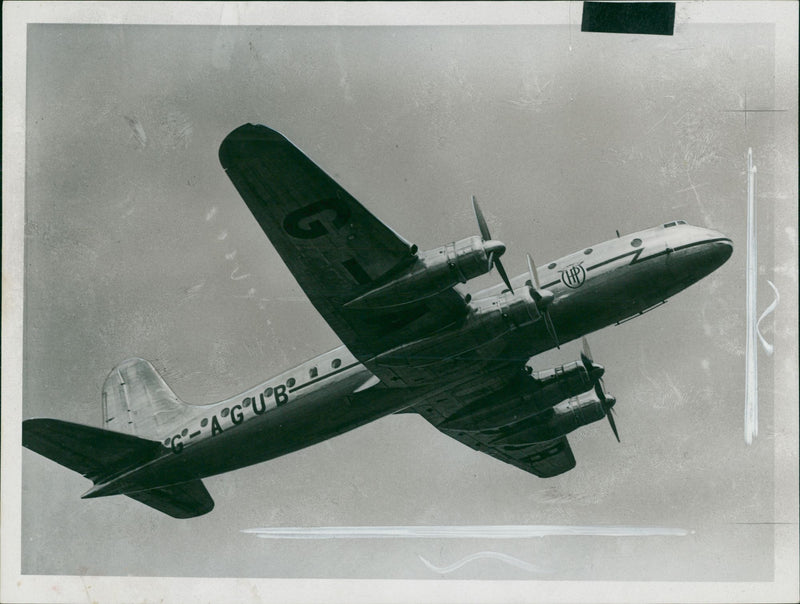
(560, 420)
(434, 271)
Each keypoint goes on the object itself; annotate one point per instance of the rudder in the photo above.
(137, 401)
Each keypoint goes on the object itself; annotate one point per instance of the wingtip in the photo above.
(242, 140)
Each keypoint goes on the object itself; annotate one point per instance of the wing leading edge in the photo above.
(335, 248)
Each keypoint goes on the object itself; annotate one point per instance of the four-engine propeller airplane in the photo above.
(411, 343)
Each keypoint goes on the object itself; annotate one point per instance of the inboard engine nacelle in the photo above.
(532, 394)
(432, 272)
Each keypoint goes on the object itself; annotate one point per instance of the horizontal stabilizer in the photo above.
(179, 501)
(93, 452)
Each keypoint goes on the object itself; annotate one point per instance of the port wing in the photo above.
(335, 248)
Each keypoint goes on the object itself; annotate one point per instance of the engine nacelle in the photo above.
(559, 421)
(530, 395)
(478, 335)
(433, 271)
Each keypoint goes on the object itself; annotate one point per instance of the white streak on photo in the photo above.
(460, 532)
(751, 351)
(510, 560)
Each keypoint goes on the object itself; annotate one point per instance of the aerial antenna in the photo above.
(617, 232)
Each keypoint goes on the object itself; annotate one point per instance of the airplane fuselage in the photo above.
(335, 392)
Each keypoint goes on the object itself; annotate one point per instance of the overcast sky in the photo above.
(137, 244)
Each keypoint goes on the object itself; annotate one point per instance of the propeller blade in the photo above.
(608, 403)
(613, 424)
(499, 266)
(484, 228)
(494, 256)
(599, 390)
(586, 350)
(551, 329)
(533, 272)
(537, 295)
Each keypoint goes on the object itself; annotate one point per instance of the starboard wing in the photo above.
(334, 247)
(544, 459)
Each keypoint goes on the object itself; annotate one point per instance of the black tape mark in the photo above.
(655, 18)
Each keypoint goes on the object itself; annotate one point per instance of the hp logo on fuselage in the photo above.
(573, 276)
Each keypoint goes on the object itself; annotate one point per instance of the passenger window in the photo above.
(291, 382)
(224, 412)
(336, 363)
(204, 422)
(551, 266)
(184, 432)
(312, 373)
(636, 242)
(587, 251)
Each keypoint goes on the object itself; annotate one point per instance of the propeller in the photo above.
(594, 370)
(543, 299)
(596, 373)
(606, 400)
(495, 248)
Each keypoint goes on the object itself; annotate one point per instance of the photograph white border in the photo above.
(15, 587)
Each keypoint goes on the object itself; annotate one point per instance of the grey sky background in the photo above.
(137, 244)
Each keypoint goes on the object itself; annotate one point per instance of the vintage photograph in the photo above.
(474, 300)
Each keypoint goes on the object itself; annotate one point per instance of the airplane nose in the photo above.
(704, 253)
(720, 249)
(713, 251)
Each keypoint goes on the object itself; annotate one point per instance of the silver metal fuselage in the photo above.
(334, 392)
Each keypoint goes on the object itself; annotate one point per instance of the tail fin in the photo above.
(100, 455)
(137, 401)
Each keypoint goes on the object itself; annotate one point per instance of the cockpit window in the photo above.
(681, 222)
(670, 224)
